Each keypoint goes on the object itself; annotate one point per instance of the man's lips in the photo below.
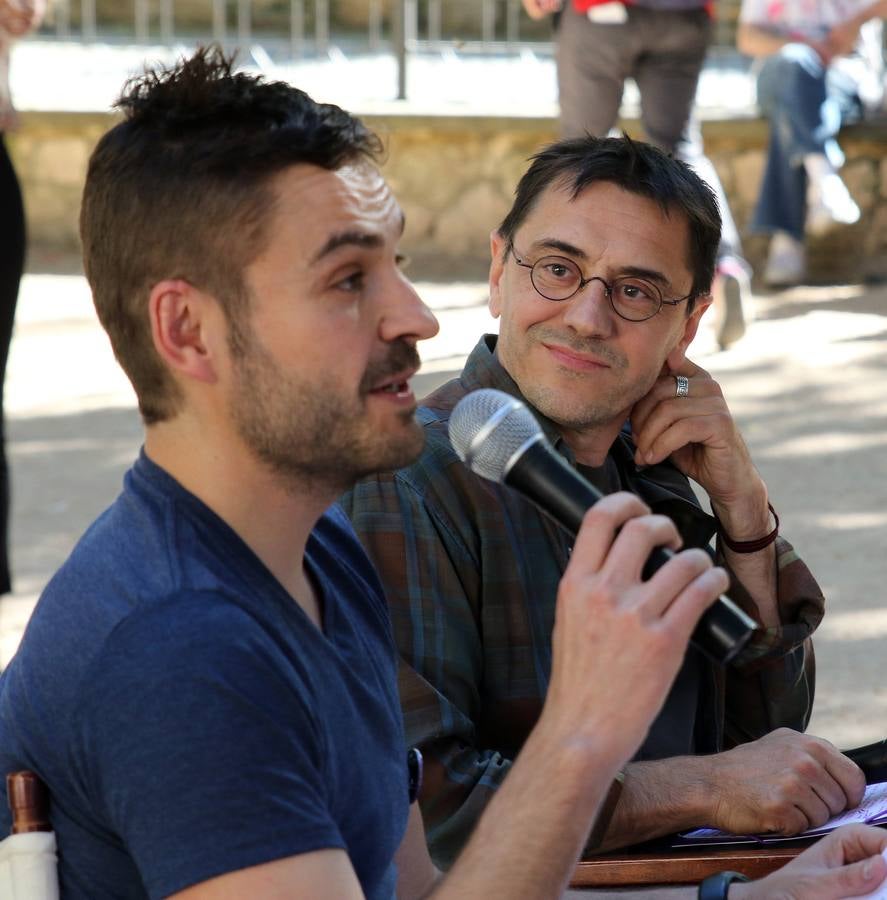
(575, 360)
(396, 385)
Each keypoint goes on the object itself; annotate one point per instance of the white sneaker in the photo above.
(786, 262)
(731, 290)
(828, 201)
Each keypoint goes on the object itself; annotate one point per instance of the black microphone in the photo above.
(498, 438)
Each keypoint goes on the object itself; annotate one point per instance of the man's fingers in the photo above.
(687, 607)
(838, 782)
(832, 794)
(665, 388)
(821, 783)
(599, 528)
(815, 811)
(848, 776)
(632, 547)
(661, 408)
(672, 427)
(853, 880)
(676, 575)
(853, 843)
(825, 782)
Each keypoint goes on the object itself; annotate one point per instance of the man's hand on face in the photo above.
(698, 434)
(619, 641)
(784, 782)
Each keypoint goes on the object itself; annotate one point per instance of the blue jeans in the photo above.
(807, 103)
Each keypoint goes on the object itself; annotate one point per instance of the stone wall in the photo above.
(454, 177)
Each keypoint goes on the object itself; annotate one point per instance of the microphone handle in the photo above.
(545, 478)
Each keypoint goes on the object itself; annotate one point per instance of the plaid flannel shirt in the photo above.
(471, 571)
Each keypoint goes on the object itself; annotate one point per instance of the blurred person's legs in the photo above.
(664, 52)
(593, 61)
(667, 75)
(732, 285)
(801, 191)
(12, 257)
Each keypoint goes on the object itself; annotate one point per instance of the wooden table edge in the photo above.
(682, 866)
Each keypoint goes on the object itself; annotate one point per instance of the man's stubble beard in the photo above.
(314, 438)
(573, 412)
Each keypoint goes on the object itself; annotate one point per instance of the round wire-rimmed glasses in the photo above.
(558, 278)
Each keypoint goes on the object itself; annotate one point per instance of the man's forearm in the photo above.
(748, 519)
(758, 574)
(659, 797)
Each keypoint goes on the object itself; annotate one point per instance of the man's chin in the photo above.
(406, 450)
(398, 453)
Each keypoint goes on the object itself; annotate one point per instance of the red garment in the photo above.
(585, 5)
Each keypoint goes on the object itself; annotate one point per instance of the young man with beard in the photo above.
(207, 686)
(600, 274)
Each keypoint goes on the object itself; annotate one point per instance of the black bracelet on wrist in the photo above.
(749, 546)
(715, 887)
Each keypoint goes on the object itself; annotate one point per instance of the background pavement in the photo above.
(448, 81)
(806, 383)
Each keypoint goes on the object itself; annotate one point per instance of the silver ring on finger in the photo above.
(682, 386)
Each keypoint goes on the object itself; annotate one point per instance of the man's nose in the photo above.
(589, 310)
(407, 316)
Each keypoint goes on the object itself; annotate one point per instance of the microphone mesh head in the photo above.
(487, 428)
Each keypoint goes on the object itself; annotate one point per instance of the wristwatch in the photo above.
(414, 773)
(715, 887)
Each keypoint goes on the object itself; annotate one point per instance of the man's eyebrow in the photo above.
(348, 239)
(354, 239)
(648, 274)
(560, 246)
(544, 244)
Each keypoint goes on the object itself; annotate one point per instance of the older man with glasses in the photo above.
(600, 275)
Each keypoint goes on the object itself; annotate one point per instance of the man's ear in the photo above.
(497, 267)
(691, 325)
(181, 328)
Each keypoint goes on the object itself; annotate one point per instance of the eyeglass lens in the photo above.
(557, 278)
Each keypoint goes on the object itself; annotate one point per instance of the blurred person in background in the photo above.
(17, 17)
(662, 45)
(823, 66)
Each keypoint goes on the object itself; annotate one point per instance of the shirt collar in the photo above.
(483, 370)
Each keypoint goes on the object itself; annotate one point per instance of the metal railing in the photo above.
(301, 29)
(498, 22)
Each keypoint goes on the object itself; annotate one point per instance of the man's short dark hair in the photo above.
(635, 167)
(180, 189)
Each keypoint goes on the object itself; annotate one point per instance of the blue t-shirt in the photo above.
(187, 716)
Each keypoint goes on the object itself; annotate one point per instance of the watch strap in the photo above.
(715, 887)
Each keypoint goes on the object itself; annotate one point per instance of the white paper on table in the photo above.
(872, 810)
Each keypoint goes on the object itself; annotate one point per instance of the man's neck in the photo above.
(590, 446)
(274, 519)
